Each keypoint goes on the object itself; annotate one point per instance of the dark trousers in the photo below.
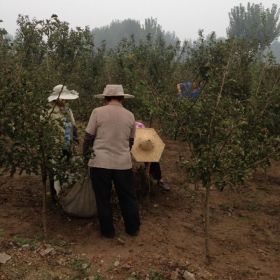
(123, 181)
(155, 170)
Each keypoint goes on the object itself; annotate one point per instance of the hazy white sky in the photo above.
(185, 17)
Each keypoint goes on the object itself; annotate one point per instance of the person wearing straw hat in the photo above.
(110, 132)
(61, 113)
(154, 168)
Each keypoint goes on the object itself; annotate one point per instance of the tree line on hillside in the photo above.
(118, 30)
(253, 22)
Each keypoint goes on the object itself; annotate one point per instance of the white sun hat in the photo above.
(114, 90)
(62, 92)
(148, 146)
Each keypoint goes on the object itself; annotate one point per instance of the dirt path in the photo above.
(245, 233)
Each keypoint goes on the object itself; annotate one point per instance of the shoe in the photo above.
(108, 235)
(133, 233)
(164, 186)
(54, 201)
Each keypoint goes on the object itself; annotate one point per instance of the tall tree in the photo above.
(257, 24)
(275, 48)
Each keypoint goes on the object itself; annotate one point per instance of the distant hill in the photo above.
(112, 34)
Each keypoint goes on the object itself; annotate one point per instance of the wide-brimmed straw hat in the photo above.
(62, 92)
(114, 90)
(148, 146)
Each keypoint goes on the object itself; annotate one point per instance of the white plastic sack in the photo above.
(80, 200)
(57, 186)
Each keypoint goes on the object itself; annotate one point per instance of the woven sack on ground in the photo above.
(80, 200)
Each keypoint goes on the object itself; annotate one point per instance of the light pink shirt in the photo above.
(112, 125)
(139, 125)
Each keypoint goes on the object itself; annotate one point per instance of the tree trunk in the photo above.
(151, 121)
(265, 176)
(176, 131)
(147, 173)
(44, 200)
(206, 208)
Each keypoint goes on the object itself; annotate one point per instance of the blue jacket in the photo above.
(186, 90)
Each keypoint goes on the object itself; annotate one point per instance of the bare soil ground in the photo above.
(245, 233)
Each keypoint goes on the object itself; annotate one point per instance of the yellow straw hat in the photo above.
(148, 146)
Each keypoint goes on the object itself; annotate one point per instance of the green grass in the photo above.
(155, 275)
(32, 242)
(252, 206)
(97, 277)
(81, 266)
(2, 233)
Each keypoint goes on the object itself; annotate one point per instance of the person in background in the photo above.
(155, 170)
(60, 113)
(110, 132)
(189, 90)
